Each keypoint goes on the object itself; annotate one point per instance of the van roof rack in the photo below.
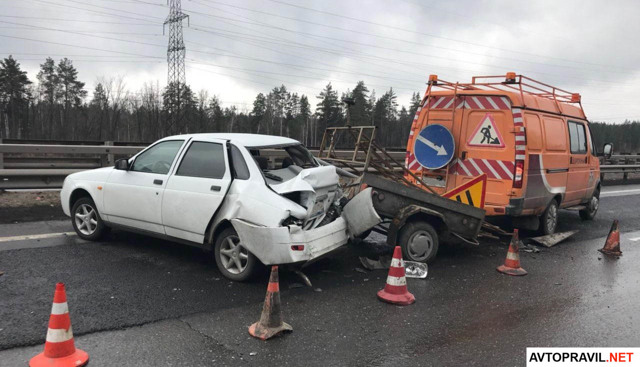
(511, 82)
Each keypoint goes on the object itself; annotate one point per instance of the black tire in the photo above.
(419, 241)
(231, 270)
(87, 229)
(549, 219)
(592, 207)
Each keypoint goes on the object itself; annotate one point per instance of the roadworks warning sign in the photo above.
(470, 193)
(486, 134)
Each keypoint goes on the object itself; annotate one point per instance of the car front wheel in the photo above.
(233, 259)
(86, 220)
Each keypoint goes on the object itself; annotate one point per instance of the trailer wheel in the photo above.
(419, 241)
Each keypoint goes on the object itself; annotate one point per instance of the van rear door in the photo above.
(485, 145)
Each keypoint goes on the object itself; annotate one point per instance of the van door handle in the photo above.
(157, 182)
(215, 188)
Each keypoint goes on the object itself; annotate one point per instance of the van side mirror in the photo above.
(122, 164)
(607, 150)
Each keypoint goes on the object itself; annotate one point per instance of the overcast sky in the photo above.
(238, 48)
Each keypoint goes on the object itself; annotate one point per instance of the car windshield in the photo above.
(282, 163)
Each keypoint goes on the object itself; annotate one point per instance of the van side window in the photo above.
(578, 138)
(593, 145)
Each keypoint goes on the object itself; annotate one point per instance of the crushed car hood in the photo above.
(309, 179)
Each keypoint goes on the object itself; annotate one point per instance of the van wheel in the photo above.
(592, 207)
(549, 219)
(233, 260)
(419, 241)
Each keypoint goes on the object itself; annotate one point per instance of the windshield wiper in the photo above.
(272, 176)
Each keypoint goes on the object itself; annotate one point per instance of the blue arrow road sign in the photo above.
(434, 146)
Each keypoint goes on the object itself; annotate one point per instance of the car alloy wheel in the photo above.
(86, 219)
(233, 255)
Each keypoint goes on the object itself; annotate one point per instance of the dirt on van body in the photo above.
(30, 206)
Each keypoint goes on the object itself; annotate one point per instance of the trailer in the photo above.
(414, 216)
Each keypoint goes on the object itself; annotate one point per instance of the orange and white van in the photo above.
(532, 140)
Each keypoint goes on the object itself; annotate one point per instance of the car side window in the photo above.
(578, 138)
(204, 160)
(240, 169)
(158, 158)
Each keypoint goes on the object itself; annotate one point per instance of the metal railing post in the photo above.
(108, 159)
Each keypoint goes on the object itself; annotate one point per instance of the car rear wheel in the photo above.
(592, 207)
(549, 219)
(419, 241)
(233, 259)
(86, 220)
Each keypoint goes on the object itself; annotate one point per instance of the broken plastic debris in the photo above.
(253, 353)
(360, 270)
(415, 269)
(553, 239)
(383, 262)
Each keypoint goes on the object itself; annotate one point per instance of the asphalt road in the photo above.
(138, 301)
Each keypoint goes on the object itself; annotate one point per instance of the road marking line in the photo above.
(634, 239)
(605, 193)
(36, 236)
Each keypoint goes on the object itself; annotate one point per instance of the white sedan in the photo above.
(249, 198)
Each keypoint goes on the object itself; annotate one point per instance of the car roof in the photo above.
(247, 140)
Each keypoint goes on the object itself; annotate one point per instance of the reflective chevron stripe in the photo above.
(496, 169)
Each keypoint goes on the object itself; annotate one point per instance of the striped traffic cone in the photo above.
(59, 348)
(512, 262)
(270, 323)
(612, 244)
(395, 291)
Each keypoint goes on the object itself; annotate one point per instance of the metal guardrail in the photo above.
(32, 166)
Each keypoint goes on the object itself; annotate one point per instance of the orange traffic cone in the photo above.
(270, 323)
(59, 348)
(612, 245)
(512, 262)
(395, 291)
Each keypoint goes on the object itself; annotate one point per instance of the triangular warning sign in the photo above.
(486, 134)
(471, 192)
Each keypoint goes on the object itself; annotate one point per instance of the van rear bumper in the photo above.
(515, 207)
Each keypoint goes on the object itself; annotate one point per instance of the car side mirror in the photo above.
(122, 164)
(607, 150)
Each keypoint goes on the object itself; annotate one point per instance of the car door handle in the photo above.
(157, 182)
(215, 188)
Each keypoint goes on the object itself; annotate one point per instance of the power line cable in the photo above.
(387, 48)
(433, 35)
(395, 39)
